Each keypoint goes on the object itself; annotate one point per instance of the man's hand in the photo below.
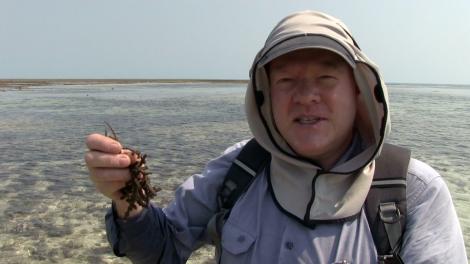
(107, 163)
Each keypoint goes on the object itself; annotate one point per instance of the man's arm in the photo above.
(433, 233)
(144, 238)
(151, 234)
(173, 233)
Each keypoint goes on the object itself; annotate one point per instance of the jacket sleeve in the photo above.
(433, 233)
(145, 238)
(171, 234)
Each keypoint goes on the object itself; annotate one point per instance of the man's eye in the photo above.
(285, 80)
(327, 80)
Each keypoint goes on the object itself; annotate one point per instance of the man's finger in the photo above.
(108, 176)
(96, 159)
(132, 155)
(103, 143)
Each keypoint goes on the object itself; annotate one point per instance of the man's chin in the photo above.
(310, 151)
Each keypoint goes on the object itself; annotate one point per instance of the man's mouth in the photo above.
(308, 120)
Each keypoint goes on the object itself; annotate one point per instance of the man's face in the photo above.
(313, 95)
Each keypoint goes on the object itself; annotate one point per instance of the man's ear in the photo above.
(356, 88)
(267, 69)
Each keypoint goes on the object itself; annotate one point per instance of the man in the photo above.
(318, 105)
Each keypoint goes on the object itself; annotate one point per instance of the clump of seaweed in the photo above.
(138, 189)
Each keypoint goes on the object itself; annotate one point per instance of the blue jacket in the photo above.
(258, 232)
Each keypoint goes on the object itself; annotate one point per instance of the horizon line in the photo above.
(72, 81)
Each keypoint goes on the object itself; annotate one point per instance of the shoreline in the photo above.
(20, 84)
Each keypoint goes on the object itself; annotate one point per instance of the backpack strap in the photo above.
(250, 162)
(386, 202)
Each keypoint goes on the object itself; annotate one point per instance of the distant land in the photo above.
(19, 84)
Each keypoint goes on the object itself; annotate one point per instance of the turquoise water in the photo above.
(50, 212)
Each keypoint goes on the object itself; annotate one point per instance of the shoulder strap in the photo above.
(246, 166)
(386, 202)
(249, 162)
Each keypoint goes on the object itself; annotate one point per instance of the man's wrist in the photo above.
(120, 208)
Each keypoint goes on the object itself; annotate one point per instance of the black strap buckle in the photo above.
(389, 213)
(390, 216)
(390, 259)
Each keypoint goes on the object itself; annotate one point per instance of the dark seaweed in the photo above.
(138, 189)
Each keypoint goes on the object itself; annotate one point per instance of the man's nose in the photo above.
(307, 92)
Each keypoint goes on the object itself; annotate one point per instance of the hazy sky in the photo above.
(411, 41)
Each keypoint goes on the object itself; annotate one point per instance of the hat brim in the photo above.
(306, 42)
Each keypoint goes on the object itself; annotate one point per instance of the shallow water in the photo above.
(50, 212)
